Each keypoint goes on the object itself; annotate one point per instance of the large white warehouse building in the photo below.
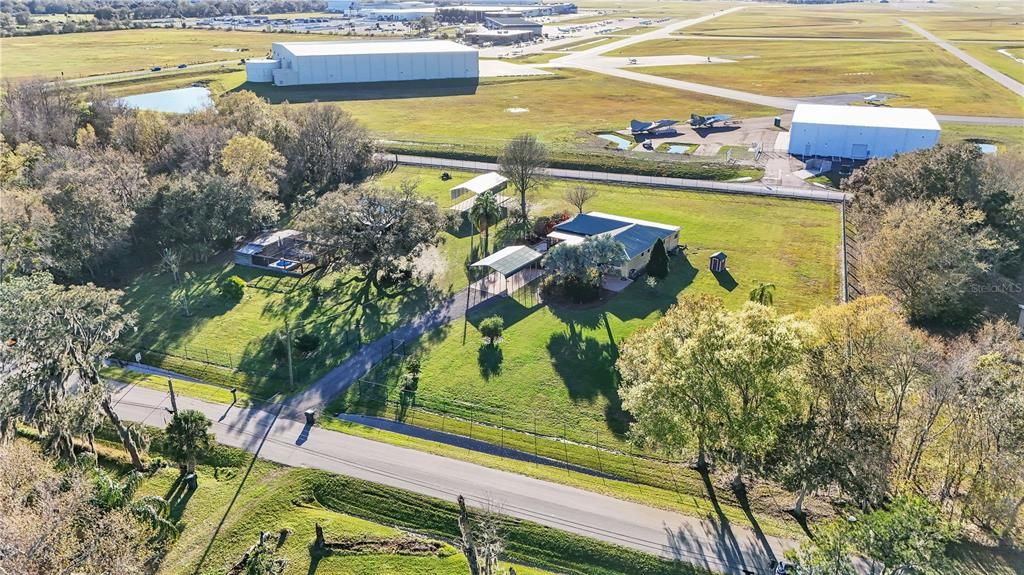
(300, 63)
(860, 132)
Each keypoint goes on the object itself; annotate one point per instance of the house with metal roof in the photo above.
(636, 236)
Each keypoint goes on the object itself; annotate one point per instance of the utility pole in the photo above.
(288, 347)
(174, 400)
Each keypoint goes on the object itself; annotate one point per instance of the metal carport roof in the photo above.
(510, 260)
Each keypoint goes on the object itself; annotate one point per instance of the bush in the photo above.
(657, 266)
(233, 288)
(492, 328)
(307, 343)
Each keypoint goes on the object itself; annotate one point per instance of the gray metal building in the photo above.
(302, 63)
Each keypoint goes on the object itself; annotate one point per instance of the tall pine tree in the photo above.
(657, 266)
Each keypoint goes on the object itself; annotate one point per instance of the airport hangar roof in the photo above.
(865, 116)
(372, 47)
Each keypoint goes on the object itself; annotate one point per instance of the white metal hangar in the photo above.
(300, 63)
(860, 132)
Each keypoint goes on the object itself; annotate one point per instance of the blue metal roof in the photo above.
(639, 238)
(588, 225)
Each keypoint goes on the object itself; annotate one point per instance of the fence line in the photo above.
(754, 188)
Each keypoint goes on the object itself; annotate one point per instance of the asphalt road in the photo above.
(711, 542)
(1009, 83)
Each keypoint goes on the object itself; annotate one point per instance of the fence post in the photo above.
(600, 467)
(502, 431)
(565, 445)
(535, 453)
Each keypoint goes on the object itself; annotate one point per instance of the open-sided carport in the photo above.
(512, 269)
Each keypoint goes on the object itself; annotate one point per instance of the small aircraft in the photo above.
(875, 100)
(698, 121)
(639, 127)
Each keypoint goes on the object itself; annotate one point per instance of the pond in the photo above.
(173, 101)
(678, 149)
(620, 142)
(987, 148)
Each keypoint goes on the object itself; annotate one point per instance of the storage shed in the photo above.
(716, 262)
(301, 63)
(860, 132)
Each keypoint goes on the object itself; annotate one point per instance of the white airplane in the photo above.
(875, 100)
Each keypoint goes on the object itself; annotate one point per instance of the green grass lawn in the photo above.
(231, 343)
(1002, 136)
(996, 21)
(988, 53)
(804, 22)
(239, 497)
(922, 74)
(563, 109)
(91, 53)
(556, 363)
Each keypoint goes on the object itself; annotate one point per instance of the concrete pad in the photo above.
(501, 68)
(614, 284)
(782, 142)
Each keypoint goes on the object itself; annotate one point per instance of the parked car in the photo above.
(155, 69)
(182, 66)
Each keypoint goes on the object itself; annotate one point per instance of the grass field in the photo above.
(989, 23)
(239, 497)
(556, 363)
(91, 53)
(804, 22)
(989, 54)
(563, 110)
(232, 343)
(922, 74)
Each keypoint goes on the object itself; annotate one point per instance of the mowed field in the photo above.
(987, 22)
(923, 75)
(563, 110)
(90, 53)
(989, 54)
(803, 22)
(555, 363)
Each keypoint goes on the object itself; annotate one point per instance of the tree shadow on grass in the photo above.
(587, 368)
(489, 358)
(640, 301)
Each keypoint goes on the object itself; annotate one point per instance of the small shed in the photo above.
(717, 262)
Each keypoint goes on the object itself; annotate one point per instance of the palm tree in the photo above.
(485, 213)
(187, 438)
(763, 293)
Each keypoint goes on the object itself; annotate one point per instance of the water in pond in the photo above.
(173, 101)
(987, 148)
(620, 142)
(678, 149)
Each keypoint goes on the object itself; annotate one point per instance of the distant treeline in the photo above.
(146, 9)
(16, 15)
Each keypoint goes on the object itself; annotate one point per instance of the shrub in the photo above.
(307, 343)
(233, 288)
(492, 328)
(657, 266)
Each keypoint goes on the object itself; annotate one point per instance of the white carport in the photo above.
(512, 268)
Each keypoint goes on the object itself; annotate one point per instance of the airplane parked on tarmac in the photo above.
(698, 121)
